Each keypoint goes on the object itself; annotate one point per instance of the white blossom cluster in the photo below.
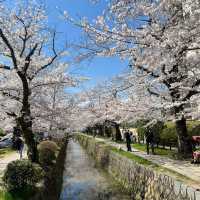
(33, 75)
(161, 41)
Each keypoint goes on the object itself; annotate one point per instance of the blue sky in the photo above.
(98, 69)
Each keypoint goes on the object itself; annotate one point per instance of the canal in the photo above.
(83, 181)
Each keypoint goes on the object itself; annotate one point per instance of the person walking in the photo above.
(20, 146)
(128, 140)
(150, 141)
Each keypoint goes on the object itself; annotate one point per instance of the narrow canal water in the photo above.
(82, 181)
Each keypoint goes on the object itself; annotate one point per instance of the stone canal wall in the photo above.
(141, 182)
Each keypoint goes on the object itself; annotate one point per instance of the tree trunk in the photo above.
(147, 147)
(118, 136)
(26, 126)
(184, 141)
(104, 130)
(25, 121)
(107, 131)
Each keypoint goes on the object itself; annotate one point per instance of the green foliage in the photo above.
(157, 129)
(141, 132)
(4, 195)
(140, 128)
(168, 135)
(47, 153)
(25, 194)
(193, 127)
(158, 151)
(22, 174)
(53, 178)
(134, 157)
(2, 133)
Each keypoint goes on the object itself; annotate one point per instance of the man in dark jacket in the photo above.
(128, 140)
(20, 146)
(150, 140)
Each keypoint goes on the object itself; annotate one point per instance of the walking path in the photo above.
(185, 168)
(182, 167)
(5, 159)
(82, 181)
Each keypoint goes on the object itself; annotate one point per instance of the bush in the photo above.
(193, 128)
(21, 174)
(166, 133)
(157, 130)
(47, 153)
(168, 136)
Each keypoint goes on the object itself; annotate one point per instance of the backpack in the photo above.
(18, 143)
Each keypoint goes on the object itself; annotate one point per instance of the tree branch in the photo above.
(52, 59)
(5, 40)
(28, 57)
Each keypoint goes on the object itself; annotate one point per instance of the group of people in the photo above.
(128, 136)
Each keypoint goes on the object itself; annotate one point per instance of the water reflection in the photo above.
(82, 181)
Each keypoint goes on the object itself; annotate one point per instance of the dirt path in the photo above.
(82, 181)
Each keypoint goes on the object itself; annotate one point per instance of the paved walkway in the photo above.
(5, 159)
(182, 167)
(192, 171)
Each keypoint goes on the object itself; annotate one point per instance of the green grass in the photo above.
(135, 158)
(5, 195)
(23, 195)
(155, 167)
(147, 163)
(158, 151)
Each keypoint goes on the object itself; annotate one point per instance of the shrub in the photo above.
(47, 153)
(168, 136)
(21, 174)
(157, 130)
(166, 133)
(193, 128)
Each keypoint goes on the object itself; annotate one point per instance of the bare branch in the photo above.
(51, 60)
(28, 57)
(5, 40)
(5, 67)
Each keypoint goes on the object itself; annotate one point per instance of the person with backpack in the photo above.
(20, 146)
(128, 140)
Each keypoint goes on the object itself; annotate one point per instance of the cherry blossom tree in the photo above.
(120, 100)
(51, 104)
(28, 49)
(161, 40)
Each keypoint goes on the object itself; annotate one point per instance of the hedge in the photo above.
(168, 135)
